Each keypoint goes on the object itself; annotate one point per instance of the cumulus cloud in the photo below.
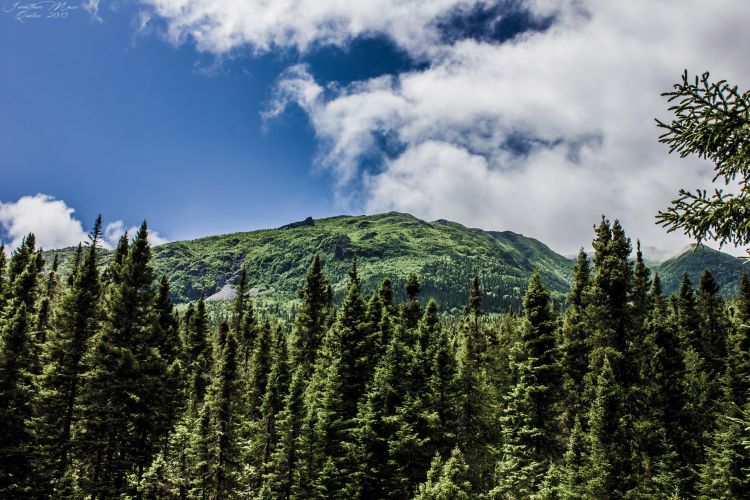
(220, 26)
(50, 220)
(54, 225)
(538, 135)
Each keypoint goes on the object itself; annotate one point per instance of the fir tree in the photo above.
(725, 473)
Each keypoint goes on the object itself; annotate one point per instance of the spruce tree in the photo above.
(725, 473)
(17, 381)
(574, 350)
(446, 481)
(45, 309)
(605, 474)
(281, 470)
(313, 317)
(76, 322)
(125, 377)
(353, 345)
(3, 284)
(713, 326)
(443, 390)
(529, 421)
(238, 308)
(475, 432)
(197, 353)
(224, 403)
(273, 399)
(411, 310)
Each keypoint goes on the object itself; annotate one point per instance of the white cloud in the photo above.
(54, 225)
(114, 230)
(220, 26)
(582, 96)
(50, 220)
(579, 97)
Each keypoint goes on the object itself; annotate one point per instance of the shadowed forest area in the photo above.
(105, 391)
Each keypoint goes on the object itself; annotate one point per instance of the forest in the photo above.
(106, 391)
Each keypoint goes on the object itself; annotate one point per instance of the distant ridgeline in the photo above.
(445, 255)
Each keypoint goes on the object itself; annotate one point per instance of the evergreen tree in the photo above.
(573, 480)
(124, 379)
(713, 326)
(279, 479)
(411, 310)
(246, 336)
(197, 353)
(76, 322)
(725, 473)
(313, 317)
(17, 382)
(224, 407)
(273, 399)
(530, 420)
(260, 369)
(574, 351)
(238, 308)
(3, 284)
(446, 481)
(443, 391)
(45, 310)
(475, 432)
(351, 340)
(605, 473)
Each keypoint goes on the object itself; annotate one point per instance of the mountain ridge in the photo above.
(444, 254)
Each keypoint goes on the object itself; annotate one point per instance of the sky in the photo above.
(215, 116)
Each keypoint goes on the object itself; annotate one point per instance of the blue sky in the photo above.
(209, 117)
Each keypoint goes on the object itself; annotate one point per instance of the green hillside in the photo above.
(445, 255)
(725, 268)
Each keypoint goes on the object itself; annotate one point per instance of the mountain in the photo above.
(445, 255)
(725, 268)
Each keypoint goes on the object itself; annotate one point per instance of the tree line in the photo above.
(106, 391)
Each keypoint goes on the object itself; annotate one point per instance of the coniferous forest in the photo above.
(106, 391)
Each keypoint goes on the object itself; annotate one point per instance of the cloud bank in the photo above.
(53, 223)
(220, 26)
(540, 134)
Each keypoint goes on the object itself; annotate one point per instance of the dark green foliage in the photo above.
(17, 382)
(711, 121)
(125, 380)
(574, 352)
(313, 317)
(76, 322)
(107, 391)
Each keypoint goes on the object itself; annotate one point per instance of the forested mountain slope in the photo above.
(445, 255)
